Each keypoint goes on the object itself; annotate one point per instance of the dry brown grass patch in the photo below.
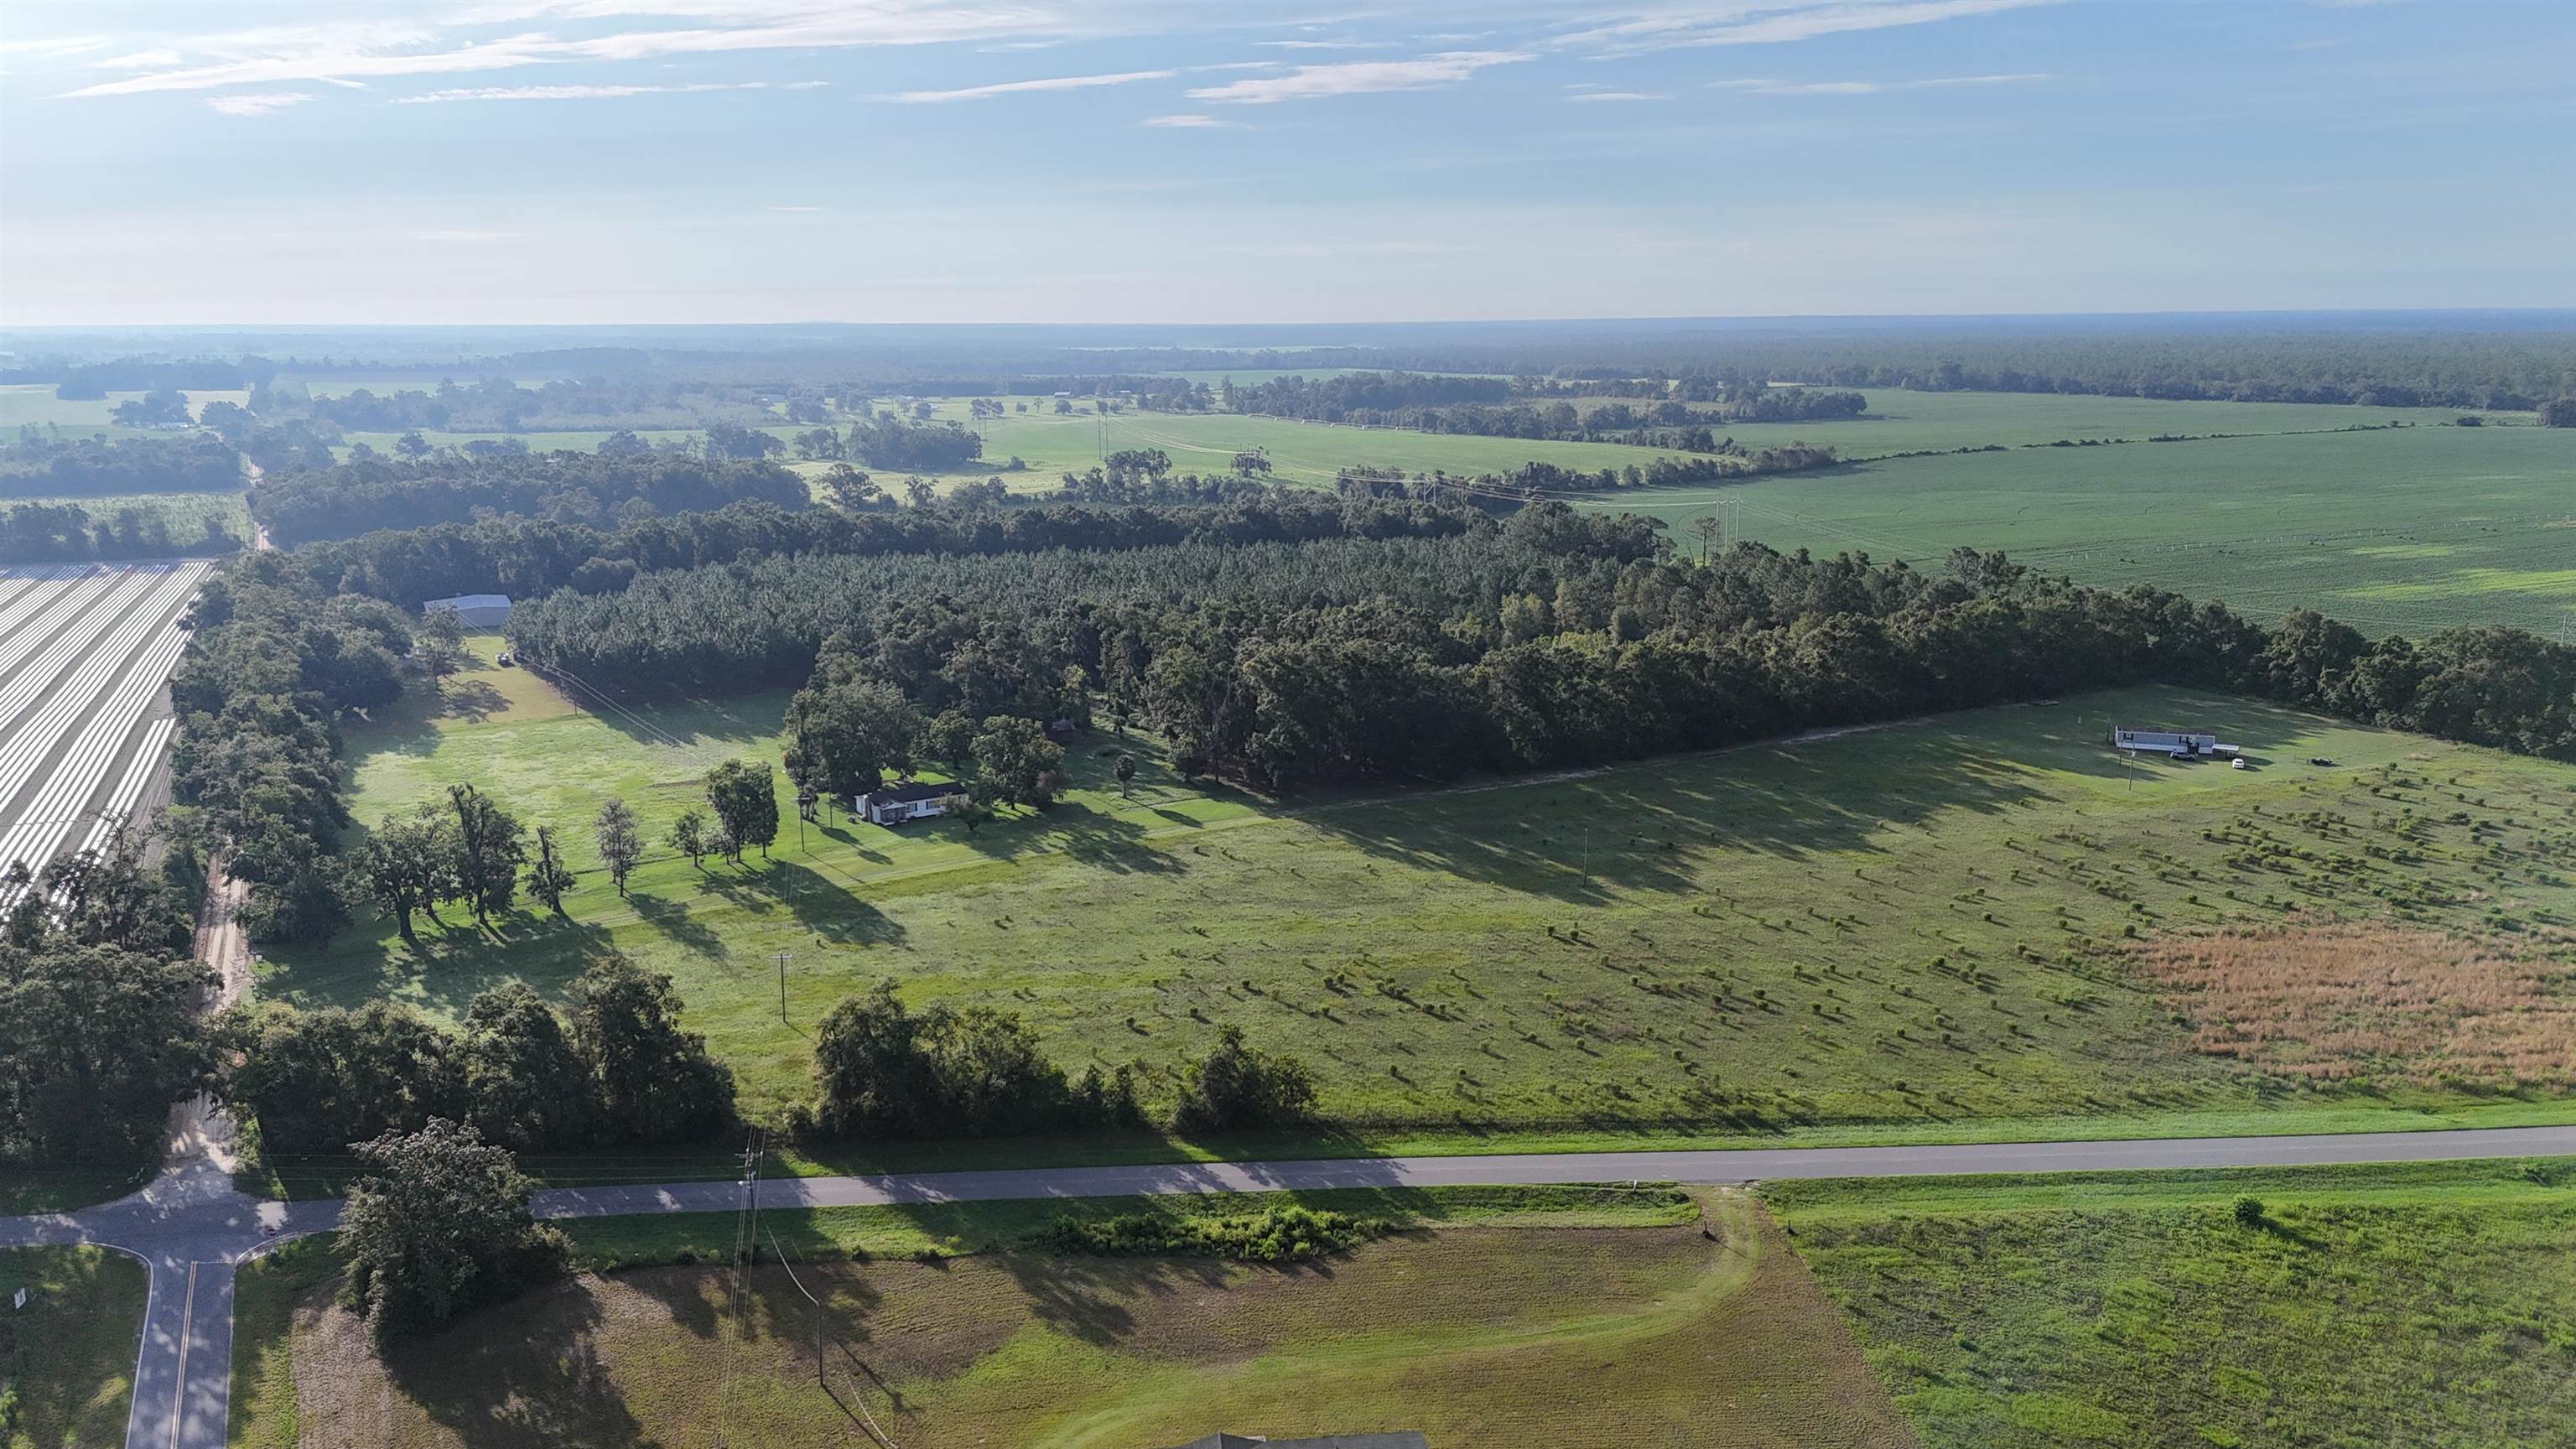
(2332, 1001)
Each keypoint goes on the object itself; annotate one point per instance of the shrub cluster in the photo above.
(1286, 1234)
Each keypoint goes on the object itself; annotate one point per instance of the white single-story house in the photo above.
(896, 804)
(2180, 744)
(477, 611)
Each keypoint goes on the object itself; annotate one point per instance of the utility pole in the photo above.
(781, 958)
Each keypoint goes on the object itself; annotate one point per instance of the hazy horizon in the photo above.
(580, 162)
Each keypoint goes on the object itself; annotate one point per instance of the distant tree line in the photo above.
(1643, 414)
(530, 557)
(360, 496)
(36, 466)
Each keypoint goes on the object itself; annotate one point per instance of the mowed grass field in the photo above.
(68, 1356)
(1471, 1330)
(1926, 927)
(2411, 530)
(2418, 1304)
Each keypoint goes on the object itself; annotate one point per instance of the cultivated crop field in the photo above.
(1477, 1327)
(2392, 1304)
(85, 651)
(1916, 928)
(2411, 531)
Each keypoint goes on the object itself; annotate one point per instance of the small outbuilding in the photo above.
(2179, 744)
(475, 611)
(896, 804)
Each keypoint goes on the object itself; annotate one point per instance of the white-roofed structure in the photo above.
(478, 611)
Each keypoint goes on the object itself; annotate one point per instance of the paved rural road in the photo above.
(192, 1228)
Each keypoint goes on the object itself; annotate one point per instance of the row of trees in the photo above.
(266, 677)
(69, 533)
(360, 496)
(531, 557)
(39, 466)
(615, 1066)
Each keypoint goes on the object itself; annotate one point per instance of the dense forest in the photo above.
(1549, 638)
(529, 557)
(36, 466)
(361, 495)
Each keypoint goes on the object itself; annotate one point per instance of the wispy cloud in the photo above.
(1012, 88)
(256, 105)
(1327, 44)
(1692, 23)
(1359, 77)
(139, 60)
(1401, 248)
(594, 93)
(367, 48)
(1770, 87)
(1588, 97)
(55, 47)
(791, 208)
(1192, 122)
(465, 238)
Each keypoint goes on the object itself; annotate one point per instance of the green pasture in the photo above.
(1911, 929)
(2406, 531)
(2430, 1303)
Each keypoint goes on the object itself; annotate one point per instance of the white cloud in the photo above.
(1326, 44)
(1191, 123)
(1692, 23)
(1590, 96)
(1010, 88)
(591, 93)
(55, 47)
(1769, 87)
(369, 49)
(1359, 77)
(139, 60)
(1346, 249)
(256, 105)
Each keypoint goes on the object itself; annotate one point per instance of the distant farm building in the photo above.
(475, 611)
(2179, 744)
(899, 803)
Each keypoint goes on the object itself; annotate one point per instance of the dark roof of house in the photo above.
(906, 794)
(1401, 1439)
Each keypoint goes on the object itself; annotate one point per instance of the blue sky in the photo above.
(1242, 160)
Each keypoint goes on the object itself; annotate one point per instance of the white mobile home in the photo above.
(896, 804)
(2180, 744)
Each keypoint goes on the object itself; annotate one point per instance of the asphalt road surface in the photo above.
(192, 1228)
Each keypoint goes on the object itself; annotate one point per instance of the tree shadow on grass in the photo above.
(1096, 1299)
(524, 1373)
(1108, 842)
(677, 925)
(1658, 825)
(819, 904)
